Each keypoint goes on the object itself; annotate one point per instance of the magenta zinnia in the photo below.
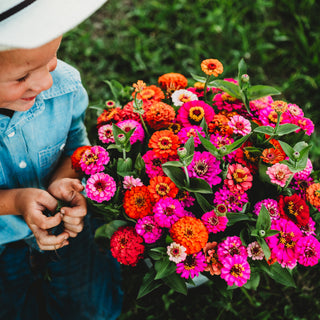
(213, 222)
(100, 187)
(308, 251)
(94, 159)
(148, 229)
(192, 265)
(235, 271)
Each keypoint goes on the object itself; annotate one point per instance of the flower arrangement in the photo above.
(212, 178)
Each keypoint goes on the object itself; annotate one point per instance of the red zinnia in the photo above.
(294, 208)
(126, 246)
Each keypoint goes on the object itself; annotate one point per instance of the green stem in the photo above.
(124, 154)
(247, 295)
(205, 88)
(187, 175)
(144, 125)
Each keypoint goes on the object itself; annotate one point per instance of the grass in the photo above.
(128, 40)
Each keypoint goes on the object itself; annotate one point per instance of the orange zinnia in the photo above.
(191, 233)
(150, 93)
(159, 115)
(110, 115)
(162, 187)
(313, 194)
(212, 67)
(272, 155)
(172, 81)
(138, 202)
(164, 143)
(219, 124)
(76, 156)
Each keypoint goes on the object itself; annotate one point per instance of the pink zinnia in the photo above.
(191, 113)
(192, 265)
(138, 133)
(279, 174)
(94, 159)
(176, 252)
(240, 125)
(272, 207)
(305, 124)
(167, 211)
(154, 164)
(185, 133)
(130, 181)
(238, 179)
(230, 247)
(105, 134)
(309, 229)
(235, 271)
(308, 251)
(283, 244)
(255, 251)
(305, 173)
(148, 229)
(205, 166)
(213, 222)
(100, 187)
(233, 201)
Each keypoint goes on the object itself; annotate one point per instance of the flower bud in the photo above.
(296, 154)
(110, 104)
(262, 233)
(182, 152)
(121, 137)
(245, 78)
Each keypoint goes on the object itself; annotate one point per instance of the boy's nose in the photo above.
(43, 81)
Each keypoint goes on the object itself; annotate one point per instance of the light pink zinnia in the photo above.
(279, 174)
(100, 187)
(176, 252)
(240, 125)
(213, 222)
(94, 159)
(235, 271)
(255, 251)
(105, 134)
(138, 133)
(130, 181)
(238, 179)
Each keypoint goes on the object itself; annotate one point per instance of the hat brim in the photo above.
(43, 21)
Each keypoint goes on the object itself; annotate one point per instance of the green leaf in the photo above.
(107, 230)
(260, 91)
(253, 282)
(264, 220)
(280, 275)
(288, 150)
(198, 185)
(242, 69)
(234, 217)
(148, 284)
(157, 253)
(177, 283)
(229, 87)
(176, 175)
(209, 146)
(116, 88)
(139, 163)
(189, 145)
(286, 128)
(124, 167)
(164, 268)
(265, 130)
(178, 164)
(265, 247)
(204, 204)
(198, 78)
(236, 144)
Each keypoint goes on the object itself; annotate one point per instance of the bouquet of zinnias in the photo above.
(211, 178)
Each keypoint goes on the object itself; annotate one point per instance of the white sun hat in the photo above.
(32, 23)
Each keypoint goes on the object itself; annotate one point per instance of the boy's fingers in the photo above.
(50, 242)
(45, 223)
(72, 229)
(78, 211)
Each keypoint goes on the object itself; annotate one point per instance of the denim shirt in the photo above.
(33, 141)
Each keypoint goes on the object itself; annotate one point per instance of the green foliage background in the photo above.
(130, 40)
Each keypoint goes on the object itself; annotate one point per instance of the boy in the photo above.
(42, 106)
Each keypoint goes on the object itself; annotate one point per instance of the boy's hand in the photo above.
(68, 190)
(31, 203)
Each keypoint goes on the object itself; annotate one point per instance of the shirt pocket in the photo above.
(49, 156)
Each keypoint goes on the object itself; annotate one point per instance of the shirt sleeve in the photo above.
(77, 136)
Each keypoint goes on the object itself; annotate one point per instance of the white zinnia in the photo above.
(176, 252)
(179, 97)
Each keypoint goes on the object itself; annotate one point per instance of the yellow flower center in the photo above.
(239, 176)
(165, 143)
(286, 239)
(196, 114)
(162, 189)
(184, 98)
(237, 270)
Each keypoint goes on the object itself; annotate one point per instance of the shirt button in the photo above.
(10, 135)
(22, 164)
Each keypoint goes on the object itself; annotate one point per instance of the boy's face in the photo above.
(24, 73)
